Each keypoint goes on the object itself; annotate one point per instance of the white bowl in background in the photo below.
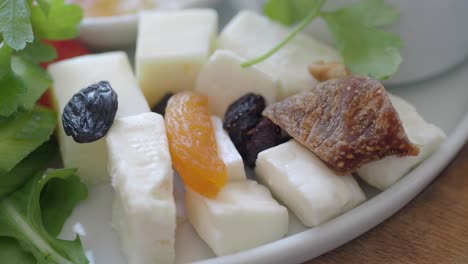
(121, 30)
(434, 34)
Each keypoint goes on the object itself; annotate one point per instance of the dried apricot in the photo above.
(192, 143)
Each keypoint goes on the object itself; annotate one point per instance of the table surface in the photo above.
(433, 228)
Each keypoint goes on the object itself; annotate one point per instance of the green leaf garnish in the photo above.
(22, 133)
(27, 217)
(11, 90)
(5, 58)
(365, 48)
(38, 52)
(23, 26)
(15, 24)
(290, 12)
(11, 251)
(37, 161)
(33, 77)
(59, 23)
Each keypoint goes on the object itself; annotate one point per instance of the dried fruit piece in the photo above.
(346, 122)
(90, 113)
(160, 107)
(242, 116)
(324, 71)
(265, 135)
(192, 144)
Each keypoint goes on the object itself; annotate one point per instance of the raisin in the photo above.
(90, 113)
(265, 135)
(160, 107)
(242, 116)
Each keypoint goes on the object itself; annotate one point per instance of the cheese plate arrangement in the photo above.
(224, 135)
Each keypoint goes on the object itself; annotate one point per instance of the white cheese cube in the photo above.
(223, 81)
(171, 49)
(251, 35)
(72, 75)
(228, 152)
(305, 184)
(243, 216)
(144, 212)
(384, 173)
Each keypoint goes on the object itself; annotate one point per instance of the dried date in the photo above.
(265, 135)
(160, 107)
(242, 116)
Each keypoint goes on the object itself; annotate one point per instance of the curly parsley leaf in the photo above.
(5, 57)
(365, 48)
(27, 217)
(59, 23)
(15, 23)
(38, 52)
(33, 77)
(11, 91)
(369, 13)
(290, 12)
(22, 86)
(23, 26)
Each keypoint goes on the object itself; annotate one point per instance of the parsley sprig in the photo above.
(23, 24)
(366, 49)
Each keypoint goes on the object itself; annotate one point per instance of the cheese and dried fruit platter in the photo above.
(250, 142)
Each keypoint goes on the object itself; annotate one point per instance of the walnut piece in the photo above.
(346, 122)
(324, 71)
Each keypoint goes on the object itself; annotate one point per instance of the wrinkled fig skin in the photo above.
(346, 122)
(90, 113)
(265, 135)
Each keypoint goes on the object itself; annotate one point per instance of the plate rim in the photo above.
(309, 244)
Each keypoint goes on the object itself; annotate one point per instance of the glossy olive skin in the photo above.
(90, 113)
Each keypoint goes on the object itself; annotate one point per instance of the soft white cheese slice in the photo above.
(223, 81)
(228, 152)
(171, 49)
(144, 212)
(305, 184)
(251, 35)
(72, 75)
(243, 216)
(384, 173)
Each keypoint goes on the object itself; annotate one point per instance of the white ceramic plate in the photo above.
(442, 100)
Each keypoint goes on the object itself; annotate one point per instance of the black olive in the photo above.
(265, 135)
(160, 107)
(242, 116)
(90, 113)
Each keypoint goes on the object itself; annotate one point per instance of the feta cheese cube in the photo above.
(305, 184)
(144, 212)
(228, 152)
(72, 75)
(171, 49)
(384, 173)
(223, 81)
(251, 35)
(243, 216)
